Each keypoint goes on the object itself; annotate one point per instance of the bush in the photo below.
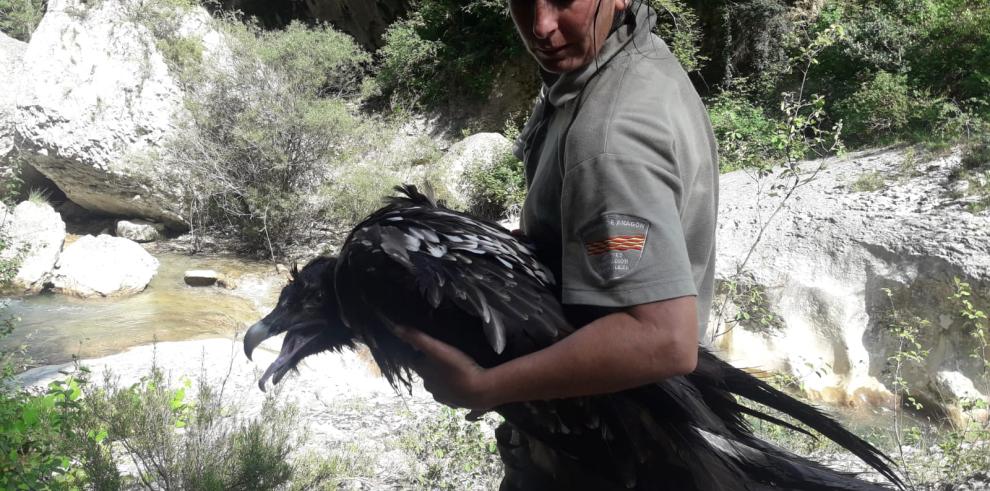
(265, 136)
(881, 107)
(497, 191)
(455, 453)
(679, 27)
(747, 137)
(447, 49)
(37, 437)
(914, 70)
(195, 443)
(19, 18)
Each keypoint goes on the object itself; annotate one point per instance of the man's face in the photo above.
(564, 35)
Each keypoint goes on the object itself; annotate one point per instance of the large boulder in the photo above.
(476, 153)
(11, 54)
(100, 101)
(867, 249)
(103, 266)
(140, 230)
(34, 233)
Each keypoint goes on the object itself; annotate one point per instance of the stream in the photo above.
(51, 329)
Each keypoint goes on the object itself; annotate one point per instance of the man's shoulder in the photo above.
(635, 103)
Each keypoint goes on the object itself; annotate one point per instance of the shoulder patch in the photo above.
(614, 244)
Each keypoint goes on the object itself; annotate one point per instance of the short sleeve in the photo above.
(623, 242)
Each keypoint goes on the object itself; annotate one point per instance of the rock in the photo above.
(103, 266)
(201, 277)
(100, 102)
(955, 386)
(140, 230)
(37, 232)
(477, 152)
(11, 53)
(822, 267)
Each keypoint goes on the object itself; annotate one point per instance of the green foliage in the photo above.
(37, 435)
(316, 60)
(914, 70)
(753, 309)
(756, 42)
(679, 27)
(10, 259)
(747, 137)
(455, 452)
(265, 136)
(181, 53)
(446, 49)
(19, 18)
(880, 107)
(499, 190)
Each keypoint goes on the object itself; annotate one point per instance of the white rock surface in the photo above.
(11, 54)
(103, 266)
(100, 100)
(140, 230)
(36, 232)
(955, 386)
(826, 259)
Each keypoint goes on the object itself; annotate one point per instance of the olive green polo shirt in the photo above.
(622, 172)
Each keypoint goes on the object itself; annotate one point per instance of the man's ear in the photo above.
(620, 5)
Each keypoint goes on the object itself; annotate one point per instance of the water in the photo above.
(54, 328)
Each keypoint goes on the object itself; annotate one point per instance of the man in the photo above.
(622, 174)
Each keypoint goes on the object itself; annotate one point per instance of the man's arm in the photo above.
(642, 344)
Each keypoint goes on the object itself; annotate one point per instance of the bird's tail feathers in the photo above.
(745, 385)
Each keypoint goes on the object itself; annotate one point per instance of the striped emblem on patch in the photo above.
(617, 243)
(614, 244)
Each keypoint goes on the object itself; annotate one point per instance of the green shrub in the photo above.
(914, 70)
(409, 62)
(454, 452)
(747, 137)
(881, 107)
(19, 18)
(678, 25)
(317, 60)
(265, 136)
(446, 49)
(498, 190)
(181, 53)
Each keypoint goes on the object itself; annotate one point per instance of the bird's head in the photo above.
(308, 315)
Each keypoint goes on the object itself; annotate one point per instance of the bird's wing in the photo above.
(451, 260)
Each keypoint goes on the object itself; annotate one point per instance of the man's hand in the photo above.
(450, 375)
(640, 345)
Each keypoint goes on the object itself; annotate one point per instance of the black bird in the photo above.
(472, 284)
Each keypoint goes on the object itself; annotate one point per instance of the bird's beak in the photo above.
(255, 335)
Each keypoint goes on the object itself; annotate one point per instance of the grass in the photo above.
(39, 197)
(869, 182)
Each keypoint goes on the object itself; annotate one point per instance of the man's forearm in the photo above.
(616, 352)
